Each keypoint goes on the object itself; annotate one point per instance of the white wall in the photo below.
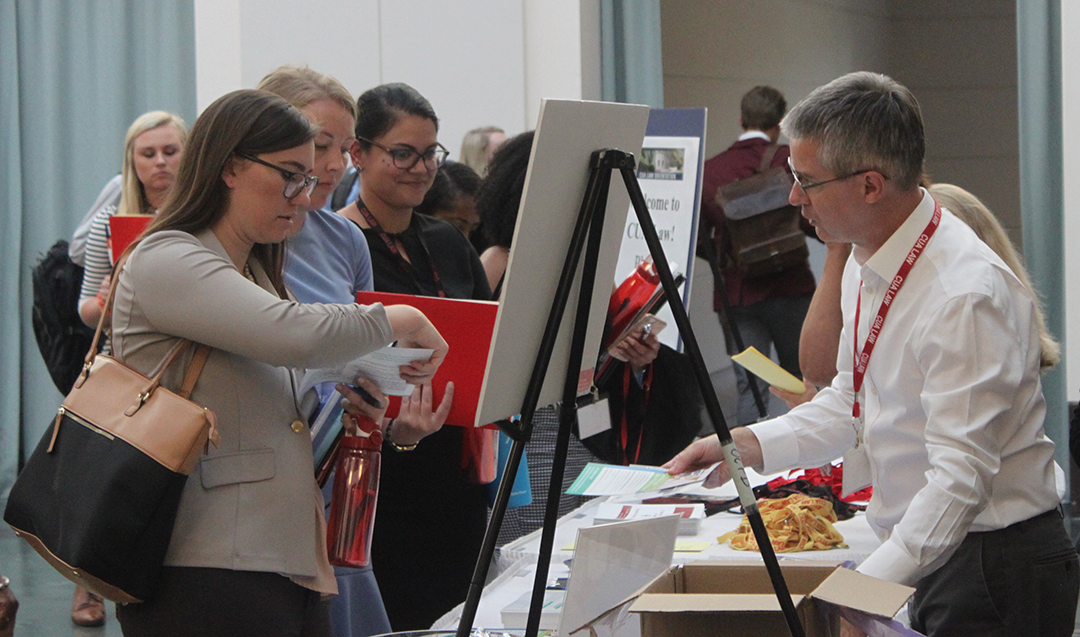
(1070, 88)
(562, 52)
(479, 62)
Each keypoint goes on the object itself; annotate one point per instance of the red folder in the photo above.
(123, 230)
(468, 327)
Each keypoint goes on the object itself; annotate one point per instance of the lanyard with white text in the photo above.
(403, 264)
(863, 359)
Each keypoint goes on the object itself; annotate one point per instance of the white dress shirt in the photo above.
(952, 400)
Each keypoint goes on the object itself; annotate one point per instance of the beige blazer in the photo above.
(251, 503)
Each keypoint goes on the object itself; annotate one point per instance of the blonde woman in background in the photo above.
(152, 150)
(479, 145)
(975, 214)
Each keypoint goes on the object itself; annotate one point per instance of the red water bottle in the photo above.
(356, 491)
(632, 295)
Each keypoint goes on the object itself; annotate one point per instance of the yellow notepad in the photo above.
(762, 366)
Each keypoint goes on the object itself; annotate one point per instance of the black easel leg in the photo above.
(712, 405)
(595, 191)
(568, 409)
(595, 199)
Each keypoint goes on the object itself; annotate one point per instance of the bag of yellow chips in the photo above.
(795, 523)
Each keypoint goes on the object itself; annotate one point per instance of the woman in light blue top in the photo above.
(328, 261)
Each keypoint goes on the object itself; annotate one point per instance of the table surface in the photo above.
(517, 560)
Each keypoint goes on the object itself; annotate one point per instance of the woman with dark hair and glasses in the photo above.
(248, 549)
(432, 512)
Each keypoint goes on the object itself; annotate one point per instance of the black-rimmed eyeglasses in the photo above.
(406, 158)
(807, 185)
(295, 182)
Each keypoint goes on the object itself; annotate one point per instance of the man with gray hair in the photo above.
(937, 403)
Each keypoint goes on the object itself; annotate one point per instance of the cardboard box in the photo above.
(736, 599)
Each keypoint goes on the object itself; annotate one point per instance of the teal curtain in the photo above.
(75, 73)
(631, 62)
(1042, 208)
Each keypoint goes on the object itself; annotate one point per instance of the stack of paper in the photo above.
(691, 514)
(608, 479)
(516, 613)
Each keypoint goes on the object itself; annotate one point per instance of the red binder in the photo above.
(468, 327)
(123, 230)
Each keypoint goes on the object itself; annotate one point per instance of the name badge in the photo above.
(594, 419)
(856, 470)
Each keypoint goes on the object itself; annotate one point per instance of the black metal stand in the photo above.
(732, 326)
(590, 223)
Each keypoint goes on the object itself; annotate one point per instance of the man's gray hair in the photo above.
(863, 121)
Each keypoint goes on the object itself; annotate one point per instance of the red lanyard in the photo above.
(646, 388)
(861, 360)
(402, 262)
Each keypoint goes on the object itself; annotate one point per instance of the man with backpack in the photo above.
(760, 250)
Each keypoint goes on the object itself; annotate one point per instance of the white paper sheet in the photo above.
(607, 479)
(381, 367)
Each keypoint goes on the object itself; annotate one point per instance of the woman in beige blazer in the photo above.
(248, 552)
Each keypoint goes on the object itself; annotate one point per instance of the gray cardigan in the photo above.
(251, 503)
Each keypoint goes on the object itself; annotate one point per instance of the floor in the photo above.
(44, 595)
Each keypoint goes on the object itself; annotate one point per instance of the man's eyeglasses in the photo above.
(807, 185)
(295, 182)
(406, 158)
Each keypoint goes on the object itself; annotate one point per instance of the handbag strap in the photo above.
(106, 310)
(194, 368)
(766, 159)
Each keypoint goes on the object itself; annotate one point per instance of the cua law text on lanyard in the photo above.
(862, 359)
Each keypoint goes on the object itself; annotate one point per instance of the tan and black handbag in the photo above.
(98, 497)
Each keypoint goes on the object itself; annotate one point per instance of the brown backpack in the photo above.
(763, 227)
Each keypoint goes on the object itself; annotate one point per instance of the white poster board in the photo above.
(611, 563)
(567, 134)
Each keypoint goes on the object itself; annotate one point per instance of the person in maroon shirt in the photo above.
(768, 310)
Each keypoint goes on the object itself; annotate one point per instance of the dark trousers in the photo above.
(225, 603)
(764, 325)
(1020, 580)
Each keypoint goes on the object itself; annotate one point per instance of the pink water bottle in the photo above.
(356, 490)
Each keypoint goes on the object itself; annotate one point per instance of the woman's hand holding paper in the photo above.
(413, 329)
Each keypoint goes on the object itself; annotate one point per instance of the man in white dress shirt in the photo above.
(938, 403)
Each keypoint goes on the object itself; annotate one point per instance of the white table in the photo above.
(516, 561)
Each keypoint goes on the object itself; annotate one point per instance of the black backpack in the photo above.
(61, 335)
